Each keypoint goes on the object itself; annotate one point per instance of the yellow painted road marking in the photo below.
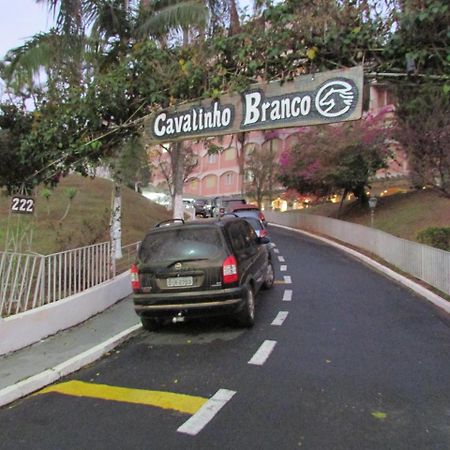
(167, 400)
(279, 282)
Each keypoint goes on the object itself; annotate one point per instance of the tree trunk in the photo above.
(116, 224)
(259, 197)
(235, 25)
(271, 175)
(344, 194)
(240, 137)
(178, 176)
(185, 37)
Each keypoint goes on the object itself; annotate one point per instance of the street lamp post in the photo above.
(372, 206)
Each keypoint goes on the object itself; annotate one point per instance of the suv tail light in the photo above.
(135, 283)
(229, 270)
(263, 232)
(261, 216)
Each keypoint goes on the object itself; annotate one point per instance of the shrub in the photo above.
(438, 237)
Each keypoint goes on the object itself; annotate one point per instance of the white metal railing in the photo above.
(28, 281)
(426, 263)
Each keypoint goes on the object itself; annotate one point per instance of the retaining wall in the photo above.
(27, 328)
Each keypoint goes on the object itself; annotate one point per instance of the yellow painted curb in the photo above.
(167, 400)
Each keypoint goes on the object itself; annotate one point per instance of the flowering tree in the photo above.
(332, 158)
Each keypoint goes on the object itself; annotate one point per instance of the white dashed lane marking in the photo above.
(276, 250)
(287, 295)
(281, 317)
(260, 357)
(287, 279)
(206, 413)
(281, 259)
(283, 268)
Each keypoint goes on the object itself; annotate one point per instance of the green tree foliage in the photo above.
(420, 43)
(438, 237)
(131, 166)
(16, 165)
(293, 38)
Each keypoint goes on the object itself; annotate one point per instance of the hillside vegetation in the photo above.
(402, 215)
(88, 218)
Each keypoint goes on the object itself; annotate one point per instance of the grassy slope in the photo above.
(88, 218)
(402, 215)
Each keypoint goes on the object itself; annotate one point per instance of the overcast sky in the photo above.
(19, 20)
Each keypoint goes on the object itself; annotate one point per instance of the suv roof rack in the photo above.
(166, 223)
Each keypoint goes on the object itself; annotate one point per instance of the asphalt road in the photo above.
(352, 361)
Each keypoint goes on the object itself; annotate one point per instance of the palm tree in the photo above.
(158, 18)
(68, 13)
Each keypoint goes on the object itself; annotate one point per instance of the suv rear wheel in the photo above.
(246, 317)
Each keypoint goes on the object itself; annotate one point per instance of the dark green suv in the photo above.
(200, 268)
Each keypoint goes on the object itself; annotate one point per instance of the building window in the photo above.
(230, 154)
(212, 158)
(211, 182)
(229, 179)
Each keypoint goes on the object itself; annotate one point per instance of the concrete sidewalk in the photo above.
(40, 364)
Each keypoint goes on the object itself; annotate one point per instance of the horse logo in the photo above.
(335, 98)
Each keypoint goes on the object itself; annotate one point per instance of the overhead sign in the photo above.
(325, 97)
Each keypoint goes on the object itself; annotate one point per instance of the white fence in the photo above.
(426, 263)
(28, 281)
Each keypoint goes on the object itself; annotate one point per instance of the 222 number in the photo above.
(22, 205)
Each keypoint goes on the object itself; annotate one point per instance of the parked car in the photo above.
(202, 207)
(223, 205)
(260, 229)
(258, 225)
(248, 210)
(200, 268)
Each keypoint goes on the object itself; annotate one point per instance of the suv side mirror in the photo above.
(263, 240)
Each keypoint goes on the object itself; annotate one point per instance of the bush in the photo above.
(438, 237)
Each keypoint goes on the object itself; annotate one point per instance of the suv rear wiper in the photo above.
(188, 260)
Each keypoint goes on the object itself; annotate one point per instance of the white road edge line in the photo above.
(287, 295)
(287, 279)
(260, 357)
(279, 320)
(281, 259)
(206, 413)
(283, 268)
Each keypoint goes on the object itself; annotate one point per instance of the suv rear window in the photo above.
(182, 244)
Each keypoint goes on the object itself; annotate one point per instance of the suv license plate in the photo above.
(180, 281)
